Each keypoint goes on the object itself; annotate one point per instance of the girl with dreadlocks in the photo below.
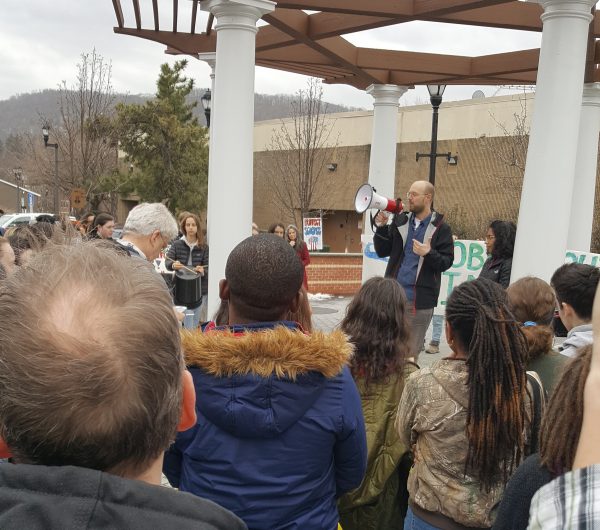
(467, 416)
(559, 437)
(375, 323)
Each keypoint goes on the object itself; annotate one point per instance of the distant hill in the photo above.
(23, 112)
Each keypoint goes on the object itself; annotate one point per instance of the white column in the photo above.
(584, 189)
(382, 163)
(550, 169)
(211, 60)
(230, 180)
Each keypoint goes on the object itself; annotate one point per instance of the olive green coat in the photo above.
(375, 503)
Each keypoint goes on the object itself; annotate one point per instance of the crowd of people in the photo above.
(261, 421)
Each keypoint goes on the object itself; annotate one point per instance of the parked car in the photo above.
(15, 219)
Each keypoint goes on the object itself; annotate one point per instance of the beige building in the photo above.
(488, 135)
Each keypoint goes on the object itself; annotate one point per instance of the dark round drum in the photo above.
(188, 287)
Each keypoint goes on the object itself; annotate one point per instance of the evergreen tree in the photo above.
(166, 145)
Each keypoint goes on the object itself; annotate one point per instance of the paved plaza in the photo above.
(329, 312)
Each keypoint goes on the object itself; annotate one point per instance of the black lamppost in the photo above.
(46, 134)
(206, 105)
(18, 174)
(435, 95)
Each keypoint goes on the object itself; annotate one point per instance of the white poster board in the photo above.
(469, 257)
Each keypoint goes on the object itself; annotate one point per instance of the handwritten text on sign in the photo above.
(469, 257)
(313, 232)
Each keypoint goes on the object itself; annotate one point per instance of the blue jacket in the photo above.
(280, 433)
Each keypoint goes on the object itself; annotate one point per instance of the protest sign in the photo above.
(469, 257)
(313, 232)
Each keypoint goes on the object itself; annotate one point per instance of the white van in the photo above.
(15, 219)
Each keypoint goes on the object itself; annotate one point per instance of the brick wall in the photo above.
(338, 274)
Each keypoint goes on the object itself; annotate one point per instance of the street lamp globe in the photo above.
(46, 133)
(435, 94)
(206, 105)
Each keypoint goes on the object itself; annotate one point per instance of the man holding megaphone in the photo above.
(420, 247)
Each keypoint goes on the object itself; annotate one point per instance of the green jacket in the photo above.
(375, 503)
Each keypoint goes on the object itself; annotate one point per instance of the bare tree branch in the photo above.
(298, 152)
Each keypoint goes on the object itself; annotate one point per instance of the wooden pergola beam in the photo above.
(337, 49)
(186, 43)
(445, 7)
(371, 58)
(506, 63)
(311, 44)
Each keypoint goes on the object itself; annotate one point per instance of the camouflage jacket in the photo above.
(431, 419)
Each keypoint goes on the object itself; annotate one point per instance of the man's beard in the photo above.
(417, 209)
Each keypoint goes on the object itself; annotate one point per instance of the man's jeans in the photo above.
(436, 333)
(418, 323)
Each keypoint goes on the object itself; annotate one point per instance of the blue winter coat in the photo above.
(277, 450)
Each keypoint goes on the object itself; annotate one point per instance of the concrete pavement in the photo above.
(329, 312)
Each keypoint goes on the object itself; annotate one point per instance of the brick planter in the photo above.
(332, 273)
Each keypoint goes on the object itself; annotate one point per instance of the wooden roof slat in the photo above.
(194, 15)
(155, 15)
(136, 11)
(118, 12)
(175, 14)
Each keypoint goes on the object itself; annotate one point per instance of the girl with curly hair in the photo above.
(376, 325)
(500, 244)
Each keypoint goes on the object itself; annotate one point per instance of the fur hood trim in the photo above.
(280, 351)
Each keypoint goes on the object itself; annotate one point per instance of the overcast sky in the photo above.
(40, 44)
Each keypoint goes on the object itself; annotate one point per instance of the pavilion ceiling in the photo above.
(313, 44)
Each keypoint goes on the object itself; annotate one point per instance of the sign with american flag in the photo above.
(313, 232)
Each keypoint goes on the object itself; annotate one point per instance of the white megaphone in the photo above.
(367, 197)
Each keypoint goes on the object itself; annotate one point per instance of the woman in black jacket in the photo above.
(500, 244)
(192, 253)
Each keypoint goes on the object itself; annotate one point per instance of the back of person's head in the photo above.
(46, 218)
(304, 313)
(28, 239)
(575, 284)
(375, 323)
(561, 425)
(495, 349)
(221, 316)
(101, 219)
(90, 361)
(532, 303)
(505, 233)
(263, 275)
(274, 226)
(146, 217)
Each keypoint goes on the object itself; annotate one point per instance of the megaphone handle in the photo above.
(373, 225)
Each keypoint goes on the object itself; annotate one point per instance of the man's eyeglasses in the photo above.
(165, 243)
(413, 194)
